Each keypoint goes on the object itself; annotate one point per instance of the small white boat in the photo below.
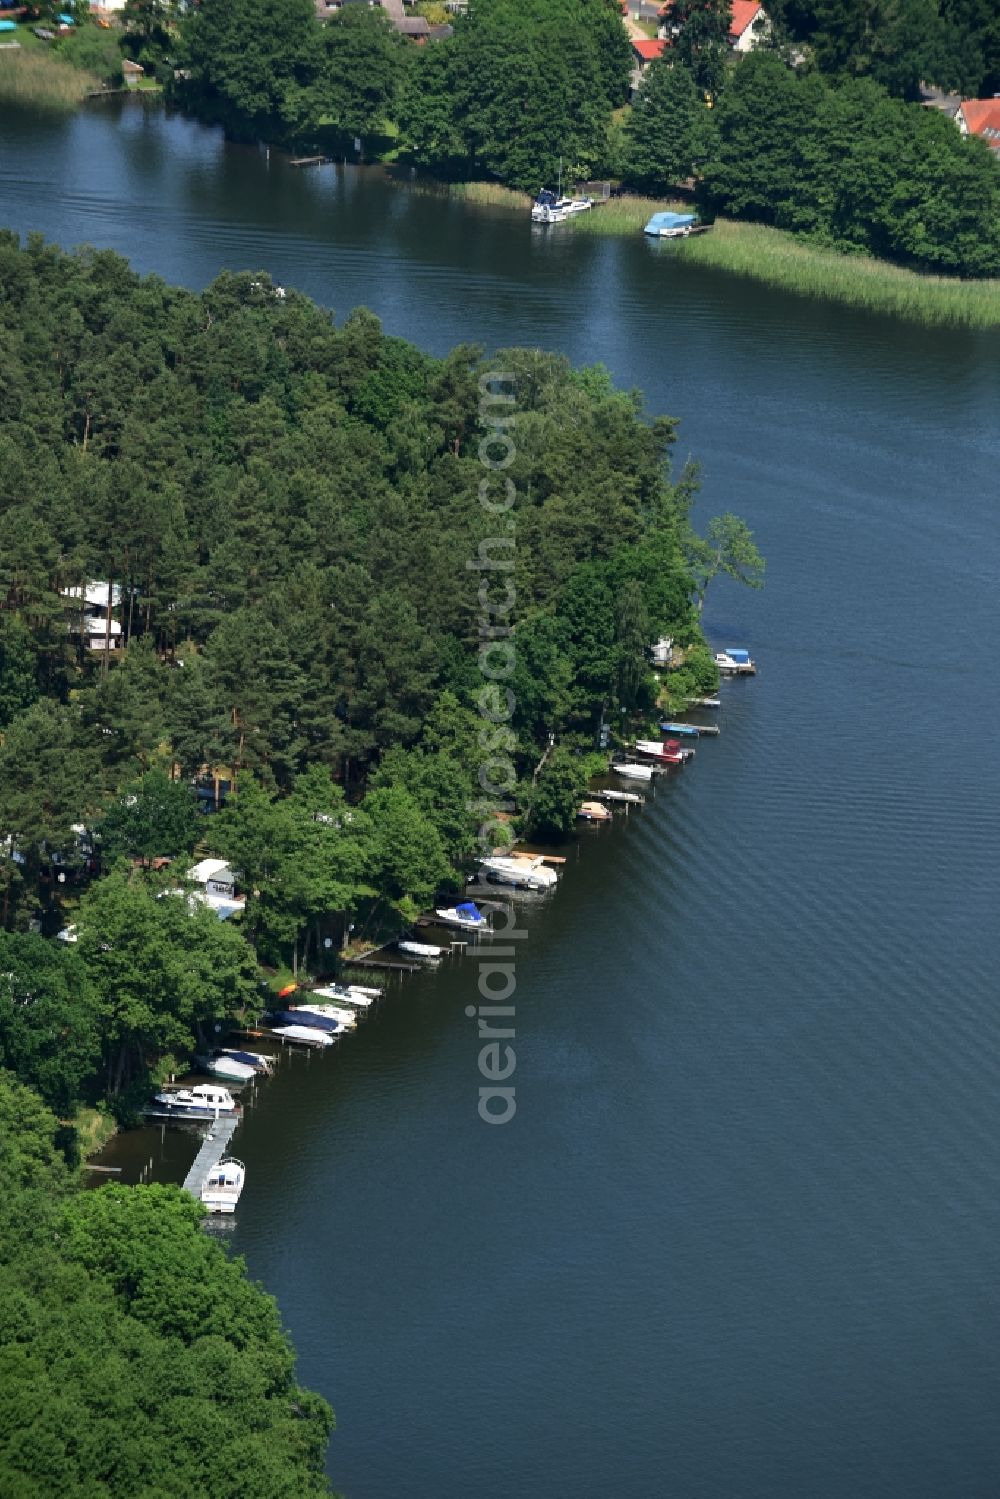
(632, 798)
(421, 949)
(467, 917)
(223, 1064)
(704, 702)
(523, 871)
(221, 1191)
(594, 812)
(304, 1035)
(349, 994)
(735, 662)
(203, 1101)
(632, 772)
(348, 1018)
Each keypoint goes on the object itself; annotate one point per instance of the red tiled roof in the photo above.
(982, 118)
(647, 50)
(744, 12)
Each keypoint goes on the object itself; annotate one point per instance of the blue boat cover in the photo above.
(668, 220)
(468, 909)
(735, 655)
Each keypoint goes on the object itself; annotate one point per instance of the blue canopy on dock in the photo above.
(743, 657)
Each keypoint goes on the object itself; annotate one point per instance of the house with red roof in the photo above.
(749, 24)
(644, 50)
(980, 117)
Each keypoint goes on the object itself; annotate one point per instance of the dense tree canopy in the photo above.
(135, 1356)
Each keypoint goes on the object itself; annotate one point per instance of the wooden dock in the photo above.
(212, 1150)
(309, 161)
(391, 965)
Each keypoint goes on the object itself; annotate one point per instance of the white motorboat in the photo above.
(467, 917)
(632, 772)
(203, 1101)
(553, 208)
(704, 702)
(258, 1060)
(223, 1064)
(304, 1035)
(524, 871)
(421, 949)
(347, 994)
(347, 1018)
(631, 798)
(221, 1191)
(593, 812)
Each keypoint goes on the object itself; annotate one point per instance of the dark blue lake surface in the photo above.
(742, 1240)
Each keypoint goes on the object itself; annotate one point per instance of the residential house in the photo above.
(218, 887)
(749, 24)
(90, 616)
(644, 51)
(981, 117)
(132, 72)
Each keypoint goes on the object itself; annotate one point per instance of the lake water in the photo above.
(742, 1240)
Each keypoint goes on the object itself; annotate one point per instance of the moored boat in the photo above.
(347, 994)
(523, 871)
(553, 208)
(467, 917)
(593, 812)
(258, 1060)
(424, 950)
(310, 1018)
(343, 1016)
(735, 662)
(630, 798)
(632, 771)
(686, 730)
(223, 1064)
(222, 1188)
(671, 225)
(202, 1101)
(304, 1035)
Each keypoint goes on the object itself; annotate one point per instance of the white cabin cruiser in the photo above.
(221, 1191)
(347, 1018)
(354, 995)
(524, 871)
(203, 1101)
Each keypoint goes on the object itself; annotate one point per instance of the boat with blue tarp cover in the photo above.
(466, 916)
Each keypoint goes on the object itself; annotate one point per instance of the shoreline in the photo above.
(757, 252)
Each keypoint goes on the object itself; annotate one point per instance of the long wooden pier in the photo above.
(212, 1150)
(309, 161)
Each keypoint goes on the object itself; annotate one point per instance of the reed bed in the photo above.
(35, 77)
(778, 259)
(491, 193)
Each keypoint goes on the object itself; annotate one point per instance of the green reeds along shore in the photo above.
(778, 259)
(29, 76)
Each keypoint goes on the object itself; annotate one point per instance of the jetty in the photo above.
(213, 1148)
(309, 161)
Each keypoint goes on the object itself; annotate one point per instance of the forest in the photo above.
(823, 114)
(289, 513)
